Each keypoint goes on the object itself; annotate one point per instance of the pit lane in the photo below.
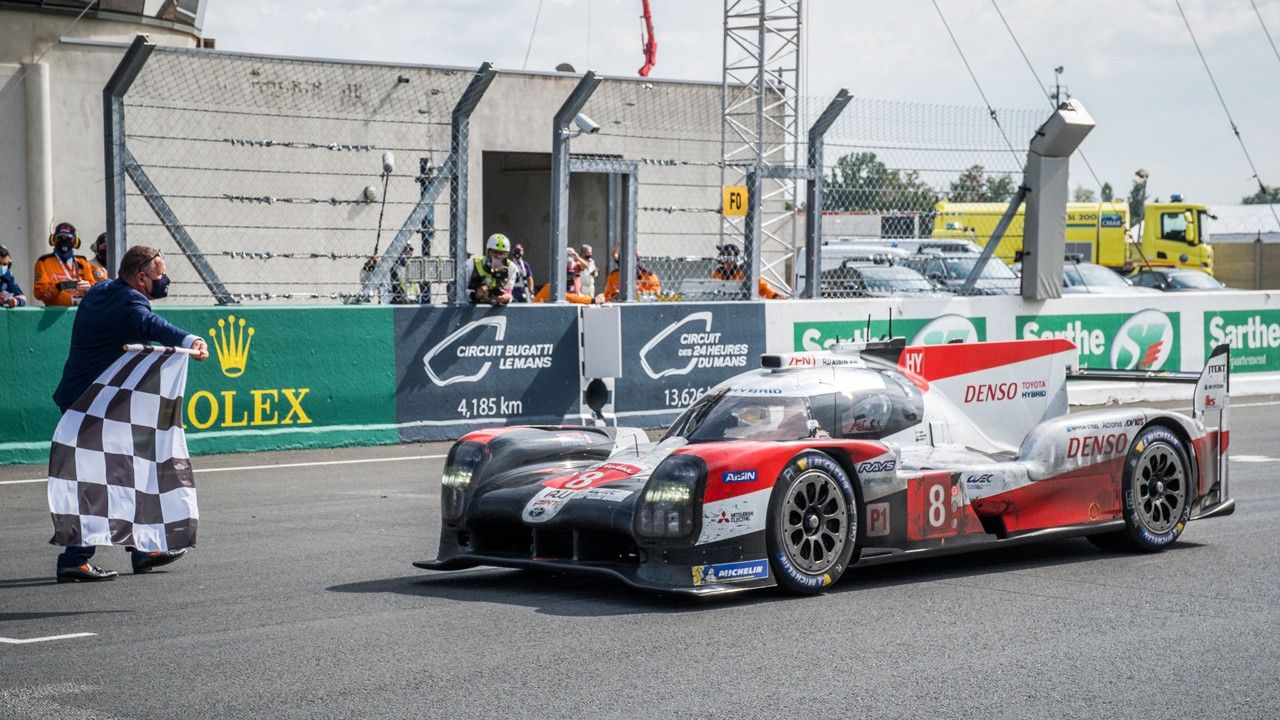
(300, 602)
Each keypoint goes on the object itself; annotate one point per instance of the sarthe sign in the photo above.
(463, 368)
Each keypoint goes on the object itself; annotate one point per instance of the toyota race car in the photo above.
(821, 461)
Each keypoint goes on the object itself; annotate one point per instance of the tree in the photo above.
(1264, 196)
(1083, 194)
(859, 181)
(1108, 192)
(973, 185)
(1137, 201)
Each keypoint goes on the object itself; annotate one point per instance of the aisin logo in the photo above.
(231, 342)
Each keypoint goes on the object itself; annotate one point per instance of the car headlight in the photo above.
(670, 499)
(464, 458)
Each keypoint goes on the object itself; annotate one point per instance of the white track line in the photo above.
(28, 641)
(318, 463)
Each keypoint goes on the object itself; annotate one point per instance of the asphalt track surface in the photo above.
(300, 602)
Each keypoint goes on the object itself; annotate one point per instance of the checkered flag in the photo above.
(119, 471)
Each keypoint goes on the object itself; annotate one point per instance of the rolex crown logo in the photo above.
(231, 342)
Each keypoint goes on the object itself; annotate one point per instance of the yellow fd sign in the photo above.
(735, 201)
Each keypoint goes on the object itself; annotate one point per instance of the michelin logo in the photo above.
(730, 572)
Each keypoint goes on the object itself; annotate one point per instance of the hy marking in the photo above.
(47, 638)
(318, 463)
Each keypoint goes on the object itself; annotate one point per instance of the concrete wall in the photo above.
(51, 163)
(1250, 266)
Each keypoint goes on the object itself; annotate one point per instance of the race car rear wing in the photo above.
(1210, 402)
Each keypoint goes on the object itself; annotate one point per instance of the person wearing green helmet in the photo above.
(492, 274)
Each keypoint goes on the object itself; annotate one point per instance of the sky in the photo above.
(1131, 63)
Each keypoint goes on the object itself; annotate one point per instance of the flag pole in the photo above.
(157, 348)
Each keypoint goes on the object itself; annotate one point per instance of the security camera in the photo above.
(388, 163)
(586, 124)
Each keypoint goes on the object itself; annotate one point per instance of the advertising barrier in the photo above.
(276, 378)
(672, 353)
(463, 368)
(284, 378)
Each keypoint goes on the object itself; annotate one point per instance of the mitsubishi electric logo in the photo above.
(469, 353)
(687, 344)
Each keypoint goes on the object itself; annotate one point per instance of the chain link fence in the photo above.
(274, 167)
(911, 190)
(672, 132)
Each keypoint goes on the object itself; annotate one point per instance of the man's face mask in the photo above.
(63, 247)
(159, 287)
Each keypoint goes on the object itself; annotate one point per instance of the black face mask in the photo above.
(64, 248)
(159, 287)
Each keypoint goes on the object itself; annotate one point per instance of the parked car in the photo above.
(950, 272)
(1176, 280)
(858, 278)
(1084, 277)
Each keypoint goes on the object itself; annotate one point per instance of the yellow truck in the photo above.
(1172, 233)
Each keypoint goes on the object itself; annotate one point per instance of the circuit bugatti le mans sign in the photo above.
(457, 367)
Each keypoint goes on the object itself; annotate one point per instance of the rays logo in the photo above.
(1143, 342)
(231, 342)
(877, 466)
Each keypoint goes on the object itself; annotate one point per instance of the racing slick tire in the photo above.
(812, 526)
(1156, 493)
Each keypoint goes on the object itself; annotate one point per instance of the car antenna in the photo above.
(890, 323)
(867, 335)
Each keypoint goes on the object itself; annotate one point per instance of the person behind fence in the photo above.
(99, 261)
(62, 277)
(731, 267)
(522, 289)
(493, 273)
(648, 286)
(588, 273)
(10, 294)
(403, 292)
(111, 315)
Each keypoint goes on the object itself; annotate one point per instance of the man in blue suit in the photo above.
(111, 315)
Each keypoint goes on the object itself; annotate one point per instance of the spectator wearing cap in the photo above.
(62, 277)
(730, 267)
(10, 294)
(99, 261)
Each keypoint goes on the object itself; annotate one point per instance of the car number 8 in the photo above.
(937, 506)
(583, 480)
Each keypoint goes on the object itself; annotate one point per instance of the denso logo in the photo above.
(1097, 445)
(734, 476)
(990, 393)
(877, 466)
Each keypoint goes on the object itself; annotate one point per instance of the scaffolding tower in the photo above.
(760, 103)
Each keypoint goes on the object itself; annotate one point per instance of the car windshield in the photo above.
(1194, 281)
(995, 269)
(721, 416)
(892, 278)
(1091, 276)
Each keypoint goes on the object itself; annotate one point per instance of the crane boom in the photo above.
(648, 43)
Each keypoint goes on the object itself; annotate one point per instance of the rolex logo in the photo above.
(231, 342)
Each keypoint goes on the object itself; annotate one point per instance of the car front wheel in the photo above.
(812, 528)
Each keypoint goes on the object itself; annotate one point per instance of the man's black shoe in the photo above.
(85, 573)
(144, 561)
